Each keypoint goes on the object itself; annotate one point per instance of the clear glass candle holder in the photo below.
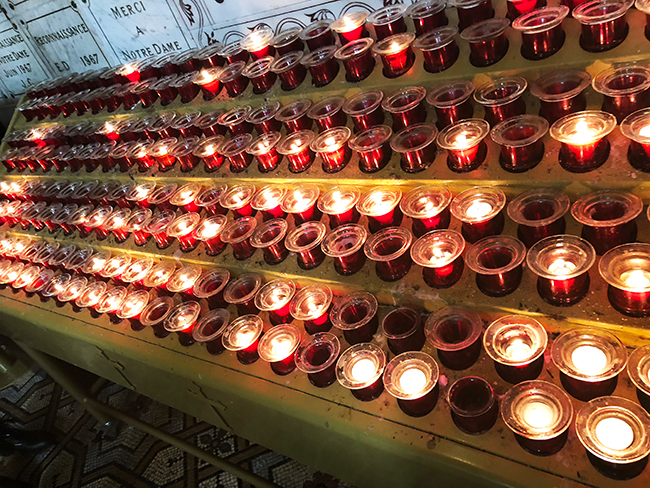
(502, 99)
(387, 21)
(625, 89)
(238, 235)
(260, 75)
(381, 207)
(278, 347)
(406, 107)
(604, 24)
(137, 271)
(539, 415)
(396, 54)
(345, 245)
(356, 315)
(233, 80)
(328, 113)
(288, 40)
(465, 145)
(339, 204)
(236, 120)
(365, 109)
(638, 369)
(516, 343)
(561, 264)
(332, 147)
(318, 34)
(238, 199)
(316, 356)
(294, 115)
(412, 378)
(473, 404)
(471, 12)
(360, 369)
(268, 201)
(263, 117)
(539, 213)
(452, 102)
(416, 146)
(183, 280)
(487, 40)
(258, 42)
(264, 149)
(561, 93)
(389, 249)
(404, 330)
(614, 431)
(296, 148)
(439, 253)
(209, 199)
(305, 240)
(210, 328)
(269, 237)
(480, 211)
(357, 58)
(210, 286)
(350, 27)
(209, 124)
(427, 15)
(497, 262)
(455, 333)
(626, 269)
(312, 305)
(243, 336)
(274, 298)
(241, 292)
(290, 70)
(520, 139)
(589, 361)
(439, 48)
(636, 127)
(300, 202)
(607, 218)
(209, 231)
(541, 31)
(428, 209)
(373, 147)
(322, 65)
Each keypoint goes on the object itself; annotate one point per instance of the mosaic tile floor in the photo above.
(85, 458)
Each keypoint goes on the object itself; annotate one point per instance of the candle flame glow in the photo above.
(637, 279)
(518, 350)
(538, 415)
(363, 370)
(281, 347)
(645, 131)
(614, 433)
(560, 267)
(589, 360)
(412, 381)
(582, 134)
(244, 337)
(478, 209)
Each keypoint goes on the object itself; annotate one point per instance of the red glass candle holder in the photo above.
(167, 93)
(404, 330)
(186, 124)
(497, 262)
(263, 117)
(412, 378)
(264, 150)
(521, 142)
(406, 107)
(465, 145)
(311, 305)
(455, 333)
(439, 48)
(269, 237)
(209, 232)
(210, 328)
(260, 74)
(604, 25)
(238, 234)
(211, 285)
(357, 59)
(643, 6)
(428, 209)
(517, 8)
(316, 356)
(416, 146)
(305, 240)
(182, 229)
(274, 298)
(236, 122)
(452, 102)
(209, 57)
(159, 275)
(427, 15)
(332, 147)
(396, 53)
(561, 264)
(294, 115)
(365, 109)
(360, 368)
(373, 147)
(115, 223)
(322, 65)
(160, 198)
(608, 218)
(208, 82)
(183, 281)
(143, 90)
(350, 27)
(233, 79)
(561, 93)
(388, 21)
(637, 370)
(89, 297)
(278, 347)
(389, 249)
(327, 113)
(210, 199)
(161, 126)
(539, 213)
(356, 315)
(132, 307)
(288, 40)
(589, 361)
(238, 198)
(157, 228)
(471, 12)
(541, 30)
(502, 99)
(318, 34)
(115, 267)
(96, 221)
(183, 151)
(268, 200)
(296, 147)
(345, 245)
(184, 197)
(636, 127)
(241, 292)
(473, 404)
(290, 70)
(208, 151)
(258, 42)
(235, 150)
(339, 203)
(209, 124)
(625, 89)
(380, 206)
(439, 253)
(233, 53)
(136, 272)
(111, 301)
(160, 153)
(154, 315)
(182, 319)
(186, 86)
(625, 268)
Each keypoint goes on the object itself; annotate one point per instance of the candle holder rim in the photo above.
(456, 239)
(259, 67)
(355, 49)
(573, 245)
(397, 142)
(330, 105)
(134, 194)
(470, 413)
(211, 195)
(262, 113)
(172, 324)
(227, 235)
(130, 275)
(366, 299)
(116, 265)
(580, 208)
(538, 123)
(98, 216)
(394, 196)
(314, 340)
(386, 46)
(158, 223)
(370, 246)
(79, 258)
(349, 21)
(184, 147)
(309, 194)
(178, 282)
(191, 221)
(643, 6)
(296, 142)
(179, 199)
(380, 134)
(386, 15)
(231, 71)
(162, 194)
(280, 224)
(104, 305)
(601, 82)
(417, 93)
(263, 295)
(292, 237)
(206, 73)
(156, 150)
(159, 274)
(51, 290)
(248, 190)
(496, 330)
(348, 106)
(218, 221)
(318, 56)
(235, 115)
(341, 136)
(89, 265)
(518, 83)
(265, 349)
(204, 320)
(630, 126)
(277, 192)
(636, 255)
(465, 4)
(286, 37)
(127, 314)
(209, 119)
(447, 137)
(27, 276)
(63, 253)
(323, 292)
(231, 49)
(638, 368)
(400, 364)
(164, 301)
(495, 196)
(436, 39)
(450, 312)
(252, 279)
(367, 350)
(287, 62)
(582, 13)
(401, 310)
(593, 338)
(442, 197)
(559, 199)
(257, 39)
(204, 280)
(313, 30)
(485, 30)
(84, 299)
(254, 322)
(45, 275)
(536, 391)
(185, 79)
(294, 110)
(636, 418)
(557, 13)
(607, 125)
(516, 247)
(425, 8)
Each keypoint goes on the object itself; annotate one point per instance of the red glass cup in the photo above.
(365, 109)
(288, 40)
(625, 89)
(604, 24)
(241, 293)
(210, 287)
(465, 144)
(388, 21)
(412, 378)
(260, 74)
(316, 356)
(183, 151)
(644, 7)
(209, 56)
(242, 336)
(235, 150)
(439, 253)
(497, 262)
(380, 206)
(396, 53)
(561, 93)
(278, 347)
(452, 102)
(209, 124)
(210, 328)
(238, 234)
(312, 305)
(209, 232)
(427, 15)
(264, 149)
(274, 298)
(406, 107)
(238, 198)
(635, 128)
(439, 48)
(520, 139)
(234, 53)
(625, 269)
(339, 204)
(328, 113)
(318, 34)
(360, 368)
(186, 86)
(637, 370)
(305, 240)
(294, 115)
(290, 70)
(332, 147)
(233, 80)
(263, 117)
(182, 229)
(210, 199)
(207, 150)
(541, 30)
(502, 99)
(160, 152)
(428, 209)
(357, 59)
(389, 249)
(473, 404)
(297, 148)
(350, 27)
(539, 213)
(258, 42)
(404, 330)
(269, 237)
(209, 83)
(157, 228)
(455, 332)
(416, 146)
(356, 315)
(236, 122)
(345, 245)
(471, 12)
(322, 65)
(373, 147)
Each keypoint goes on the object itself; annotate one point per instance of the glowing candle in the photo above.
(360, 369)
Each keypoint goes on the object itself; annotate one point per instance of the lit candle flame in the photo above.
(560, 267)
(363, 370)
(645, 131)
(589, 360)
(439, 256)
(478, 209)
(281, 347)
(538, 415)
(637, 279)
(582, 133)
(614, 433)
(244, 338)
(412, 381)
(518, 350)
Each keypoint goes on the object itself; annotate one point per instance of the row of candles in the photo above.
(560, 261)
(612, 429)
(603, 27)
(154, 141)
